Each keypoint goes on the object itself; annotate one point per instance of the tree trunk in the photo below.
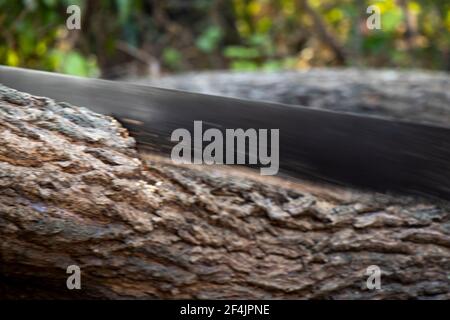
(74, 191)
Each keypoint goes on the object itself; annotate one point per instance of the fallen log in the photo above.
(74, 191)
(404, 95)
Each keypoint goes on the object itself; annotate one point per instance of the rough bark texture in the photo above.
(73, 190)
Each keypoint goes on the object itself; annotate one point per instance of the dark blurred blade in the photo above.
(350, 149)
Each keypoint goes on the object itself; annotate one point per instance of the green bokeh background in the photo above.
(121, 38)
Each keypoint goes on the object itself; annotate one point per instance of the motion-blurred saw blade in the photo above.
(368, 152)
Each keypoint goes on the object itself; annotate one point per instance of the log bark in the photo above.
(74, 191)
(403, 95)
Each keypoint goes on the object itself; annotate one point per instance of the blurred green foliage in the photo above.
(129, 37)
(29, 36)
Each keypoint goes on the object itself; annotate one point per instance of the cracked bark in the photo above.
(73, 190)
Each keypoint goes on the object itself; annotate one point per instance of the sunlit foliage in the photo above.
(129, 37)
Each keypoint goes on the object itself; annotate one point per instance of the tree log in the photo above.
(74, 191)
(402, 95)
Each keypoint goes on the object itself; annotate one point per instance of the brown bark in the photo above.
(73, 191)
